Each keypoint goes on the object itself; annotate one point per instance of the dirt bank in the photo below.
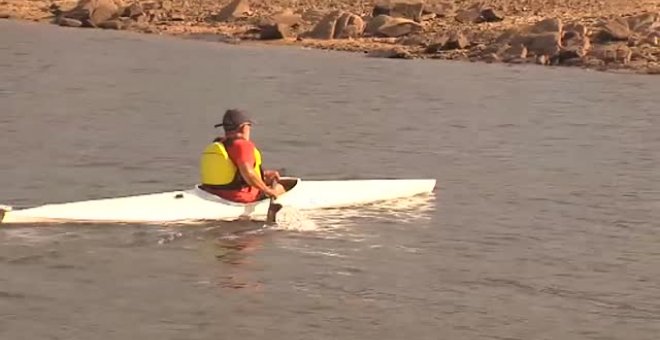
(603, 35)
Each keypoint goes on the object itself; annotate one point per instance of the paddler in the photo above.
(231, 166)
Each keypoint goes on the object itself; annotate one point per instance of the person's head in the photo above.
(236, 124)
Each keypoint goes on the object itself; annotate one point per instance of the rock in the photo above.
(93, 12)
(234, 10)
(313, 15)
(575, 43)
(177, 17)
(575, 29)
(641, 23)
(338, 25)
(133, 11)
(456, 41)
(490, 58)
(408, 9)
(286, 17)
(470, 15)
(518, 51)
(393, 53)
(451, 41)
(413, 40)
(576, 47)
(614, 30)
(348, 26)
(166, 5)
(441, 8)
(275, 31)
(111, 24)
(386, 26)
(478, 13)
(594, 63)
(542, 60)
(612, 54)
(653, 39)
(325, 29)
(5, 15)
(491, 15)
(539, 44)
(572, 62)
(507, 35)
(150, 5)
(547, 25)
(68, 22)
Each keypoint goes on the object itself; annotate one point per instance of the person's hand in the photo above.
(272, 175)
(271, 193)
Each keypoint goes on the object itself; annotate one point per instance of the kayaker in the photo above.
(231, 166)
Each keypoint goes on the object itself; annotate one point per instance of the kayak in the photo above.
(195, 204)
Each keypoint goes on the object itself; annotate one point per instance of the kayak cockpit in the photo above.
(287, 182)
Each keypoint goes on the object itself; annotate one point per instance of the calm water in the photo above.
(544, 224)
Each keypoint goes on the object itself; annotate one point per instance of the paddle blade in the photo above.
(273, 209)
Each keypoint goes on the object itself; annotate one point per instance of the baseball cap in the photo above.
(234, 118)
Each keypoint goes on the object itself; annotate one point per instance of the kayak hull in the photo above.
(197, 205)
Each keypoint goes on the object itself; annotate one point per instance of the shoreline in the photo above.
(606, 38)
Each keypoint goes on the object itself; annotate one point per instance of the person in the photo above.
(231, 166)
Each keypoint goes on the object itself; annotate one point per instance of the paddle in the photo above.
(273, 208)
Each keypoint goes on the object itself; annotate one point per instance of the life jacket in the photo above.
(218, 171)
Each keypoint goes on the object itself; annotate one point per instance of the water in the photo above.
(544, 224)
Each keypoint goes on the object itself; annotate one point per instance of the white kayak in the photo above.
(198, 205)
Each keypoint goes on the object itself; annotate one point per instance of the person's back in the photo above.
(231, 167)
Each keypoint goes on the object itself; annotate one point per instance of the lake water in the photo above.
(544, 223)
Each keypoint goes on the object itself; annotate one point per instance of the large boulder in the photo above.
(614, 30)
(279, 25)
(234, 10)
(409, 9)
(338, 25)
(386, 26)
(348, 26)
(93, 12)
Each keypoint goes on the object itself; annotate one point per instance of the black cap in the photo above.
(234, 118)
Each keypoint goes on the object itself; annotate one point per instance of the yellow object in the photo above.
(217, 169)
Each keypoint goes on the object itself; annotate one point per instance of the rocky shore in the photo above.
(594, 34)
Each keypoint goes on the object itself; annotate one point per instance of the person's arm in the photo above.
(253, 179)
(242, 154)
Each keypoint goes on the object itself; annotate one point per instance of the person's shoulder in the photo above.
(240, 142)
